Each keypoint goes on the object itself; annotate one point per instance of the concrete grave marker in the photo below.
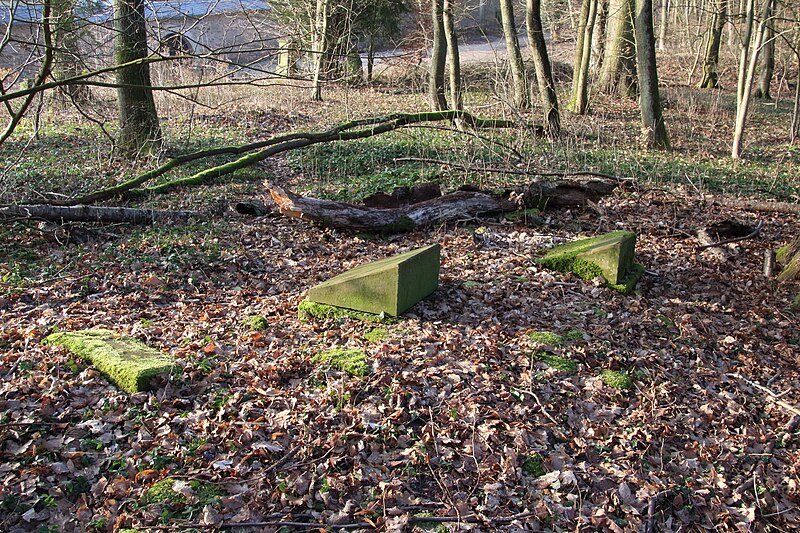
(127, 362)
(610, 256)
(391, 286)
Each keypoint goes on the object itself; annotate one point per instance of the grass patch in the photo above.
(354, 362)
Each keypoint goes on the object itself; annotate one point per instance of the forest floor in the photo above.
(460, 422)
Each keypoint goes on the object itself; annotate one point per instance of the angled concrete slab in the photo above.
(127, 362)
(391, 286)
(610, 255)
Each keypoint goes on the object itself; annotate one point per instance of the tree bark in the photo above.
(87, 213)
(767, 64)
(66, 61)
(618, 74)
(436, 90)
(654, 131)
(579, 102)
(599, 36)
(710, 77)
(788, 257)
(457, 206)
(514, 55)
(544, 71)
(454, 61)
(746, 82)
(140, 131)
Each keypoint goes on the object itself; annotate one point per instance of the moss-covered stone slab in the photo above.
(610, 256)
(390, 286)
(127, 362)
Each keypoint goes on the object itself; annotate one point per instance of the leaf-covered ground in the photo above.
(470, 417)
(459, 416)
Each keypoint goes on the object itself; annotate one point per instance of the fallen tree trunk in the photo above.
(250, 154)
(757, 205)
(87, 213)
(461, 205)
(327, 213)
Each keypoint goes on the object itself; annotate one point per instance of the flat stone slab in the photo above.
(127, 362)
(390, 286)
(610, 256)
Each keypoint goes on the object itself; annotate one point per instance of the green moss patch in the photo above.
(256, 322)
(563, 364)
(546, 337)
(390, 286)
(376, 334)
(617, 380)
(127, 362)
(610, 256)
(163, 492)
(354, 362)
(308, 309)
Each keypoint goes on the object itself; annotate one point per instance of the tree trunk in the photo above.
(662, 34)
(767, 64)
(514, 55)
(454, 61)
(599, 36)
(579, 102)
(66, 60)
(436, 91)
(618, 74)
(88, 213)
(544, 71)
(746, 82)
(654, 131)
(452, 207)
(140, 131)
(319, 46)
(710, 78)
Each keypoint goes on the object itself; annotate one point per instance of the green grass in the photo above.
(563, 364)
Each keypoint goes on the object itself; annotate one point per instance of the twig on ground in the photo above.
(772, 396)
(650, 525)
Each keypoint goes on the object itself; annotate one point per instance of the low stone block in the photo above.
(391, 286)
(610, 256)
(127, 362)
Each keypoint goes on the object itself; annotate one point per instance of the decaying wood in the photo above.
(754, 232)
(87, 213)
(327, 213)
(460, 205)
(757, 205)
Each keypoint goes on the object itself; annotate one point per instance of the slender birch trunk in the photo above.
(746, 82)
(319, 46)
